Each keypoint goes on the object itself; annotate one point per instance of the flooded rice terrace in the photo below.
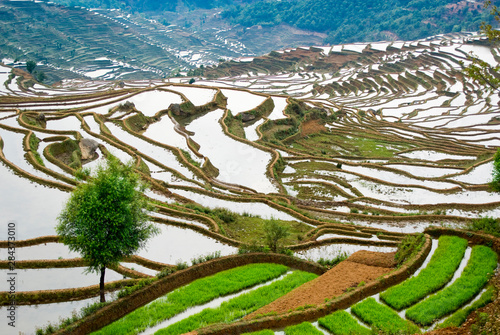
(396, 141)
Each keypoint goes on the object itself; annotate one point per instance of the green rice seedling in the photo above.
(343, 323)
(481, 266)
(198, 292)
(261, 332)
(459, 317)
(438, 272)
(240, 306)
(305, 328)
(383, 318)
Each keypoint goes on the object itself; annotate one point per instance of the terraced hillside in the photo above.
(382, 141)
(74, 42)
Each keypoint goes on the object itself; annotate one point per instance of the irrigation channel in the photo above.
(393, 141)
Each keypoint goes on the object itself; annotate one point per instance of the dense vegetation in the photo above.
(197, 293)
(383, 318)
(479, 269)
(457, 318)
(343, 323)
(240, 306)
(304, 328)
(438, 272)
(358, 20)
(343, 20)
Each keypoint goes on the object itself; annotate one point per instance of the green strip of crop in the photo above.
(240, 306)
(305, 328)
(261, 332)
(343, 323)
(383, 318)
(443, 264)
(481, 266)
(461, 315)
(198, 292)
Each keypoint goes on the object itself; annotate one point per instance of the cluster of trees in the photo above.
(358, 20)
(343, 20)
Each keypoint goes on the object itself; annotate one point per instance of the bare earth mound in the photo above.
(362, 266)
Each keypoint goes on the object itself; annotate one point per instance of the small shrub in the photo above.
(409, 247)
(225, 215)
(165, 272)
(354, 210)
(130, 289)
(92, 308)
(181, 266)
(487, 225)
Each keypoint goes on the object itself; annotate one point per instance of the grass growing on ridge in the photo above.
(305, 328)
(481, 266)
(343, 323)
(439, 271)
(198, 292)
(261, 332)
(383, 318)
(240, 306)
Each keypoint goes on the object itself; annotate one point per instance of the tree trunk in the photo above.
(101, 284)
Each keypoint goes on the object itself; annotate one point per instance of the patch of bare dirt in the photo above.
(347, 274)
(380, 259)
(311, 127)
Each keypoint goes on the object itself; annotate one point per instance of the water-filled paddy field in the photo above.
(373, 149)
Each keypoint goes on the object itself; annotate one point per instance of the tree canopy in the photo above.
(106, 218)
(479, 70)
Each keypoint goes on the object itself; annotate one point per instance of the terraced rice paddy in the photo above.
(351, 158)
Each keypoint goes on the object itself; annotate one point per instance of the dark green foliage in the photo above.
(274, 233)
(409, 247)
(486, 225)
(342, 323)
(358, 20)
(438, 272)
(105, 219)
(305, 328)
(495, 183)
(225, 215)
(30, 66)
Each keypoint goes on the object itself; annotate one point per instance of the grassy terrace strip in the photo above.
(481, 266)
(459, 317)
(261, 332)
(383, 318)
(198, 292)
(439, 271)
(305, 328)
(343, 323)
(240, 306)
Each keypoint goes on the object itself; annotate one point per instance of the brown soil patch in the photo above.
(311, 127)
(333, 283)
(380, 259)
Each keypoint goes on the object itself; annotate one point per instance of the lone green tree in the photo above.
(274, 232)
(30, 66)
(106, 218)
